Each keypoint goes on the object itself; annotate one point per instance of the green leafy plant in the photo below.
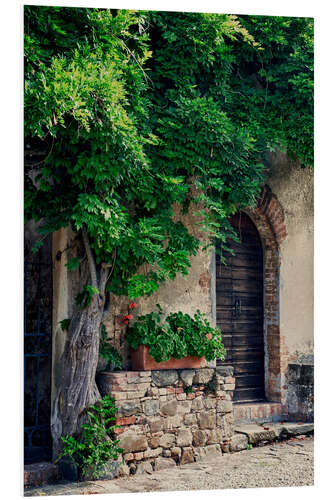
(178, 336)
(188, 389)
(210, 387)
(109, 352)
(96, 446)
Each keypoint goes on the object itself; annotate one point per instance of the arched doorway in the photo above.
(239, 309)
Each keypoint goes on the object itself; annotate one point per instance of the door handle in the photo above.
(237, 308)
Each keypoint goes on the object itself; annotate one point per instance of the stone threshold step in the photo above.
(271, 431)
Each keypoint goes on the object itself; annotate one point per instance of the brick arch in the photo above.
(268, 216)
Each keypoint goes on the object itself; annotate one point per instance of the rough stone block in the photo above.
(224, 406)
(203, 375)
(151, 407)
(184, 437)
(173, 422)
(144, 468)
(154, 441)
(190, 419)
(153, 453)
(184, 407)
(207, 419)
(181, 397)
(210, 403)
(239, 442)
(176, 452)
(199, 438)
(128, 408)
(207, 452)
(130, 442)
(163, 378)
(215, 437)
(169, 408)
(187, 377)
(229, 387)
(197, 404)
(156, 424)
(123, 470)
(161, 463)
(226, 424)
(225, 371)
(187, 456)
(167, 440)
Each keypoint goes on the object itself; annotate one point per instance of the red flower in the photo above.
(127, 318)
(208, 336)
(133, 305)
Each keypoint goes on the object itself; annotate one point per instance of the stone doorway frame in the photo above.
(268, 217)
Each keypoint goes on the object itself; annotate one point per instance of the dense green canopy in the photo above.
(137, 111)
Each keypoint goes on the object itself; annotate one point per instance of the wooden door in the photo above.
(239, 309)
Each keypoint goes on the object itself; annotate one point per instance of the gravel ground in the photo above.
(289, 463)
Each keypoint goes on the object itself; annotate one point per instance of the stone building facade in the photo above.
(163, 420)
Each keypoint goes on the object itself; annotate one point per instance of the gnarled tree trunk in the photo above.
(76, 389)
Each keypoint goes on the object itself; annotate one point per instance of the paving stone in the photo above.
(295, 429)
(161, 463)
(257, 433)
(163, 378)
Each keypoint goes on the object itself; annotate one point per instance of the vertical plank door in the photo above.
(239, 309)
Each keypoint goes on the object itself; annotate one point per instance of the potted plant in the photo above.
(179, 341)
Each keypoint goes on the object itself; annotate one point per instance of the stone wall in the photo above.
(170, 417)
(300, 380)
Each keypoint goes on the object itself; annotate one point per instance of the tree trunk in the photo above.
(78, 389)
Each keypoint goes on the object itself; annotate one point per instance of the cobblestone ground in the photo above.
(289, 463)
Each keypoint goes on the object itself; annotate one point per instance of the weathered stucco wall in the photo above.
(185, 293)
(293, 187)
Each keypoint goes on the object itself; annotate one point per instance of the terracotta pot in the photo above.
(142, 361)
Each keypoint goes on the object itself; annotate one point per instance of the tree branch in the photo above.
(91, 262)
